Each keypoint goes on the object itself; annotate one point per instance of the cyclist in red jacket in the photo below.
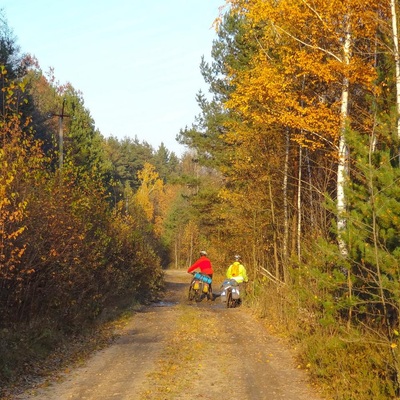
(204, 264)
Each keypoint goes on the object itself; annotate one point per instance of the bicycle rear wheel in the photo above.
(230, 303)
(198, 295)
(191, 293)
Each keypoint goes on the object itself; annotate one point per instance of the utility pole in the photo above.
(61, 134)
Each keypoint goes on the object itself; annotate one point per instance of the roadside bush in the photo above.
(79, 259)
(349, 365)
(348, 361)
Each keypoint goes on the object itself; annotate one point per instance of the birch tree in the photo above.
(312, 41)
(342, 170)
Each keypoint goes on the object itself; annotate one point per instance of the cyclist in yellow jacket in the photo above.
(237, 271)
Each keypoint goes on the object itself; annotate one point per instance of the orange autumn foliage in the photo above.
(295, 79)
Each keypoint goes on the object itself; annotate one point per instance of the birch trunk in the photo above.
(310, 185)
(397, 67)
(397, 62)
(299, 205)
(275, 236)
(285, 200)
(342, 171)
(191, 249)
(176, 254)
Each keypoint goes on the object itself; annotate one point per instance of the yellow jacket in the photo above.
(238, 272)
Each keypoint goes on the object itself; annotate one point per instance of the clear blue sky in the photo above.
(135, 61)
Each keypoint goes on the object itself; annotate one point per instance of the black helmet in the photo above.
(237, 257)
(203, 253)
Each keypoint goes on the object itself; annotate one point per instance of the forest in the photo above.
(293, 162)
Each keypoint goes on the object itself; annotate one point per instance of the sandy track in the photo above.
(180, 350)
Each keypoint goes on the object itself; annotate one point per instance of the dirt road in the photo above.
(176, 350)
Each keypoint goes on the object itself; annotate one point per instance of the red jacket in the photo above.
(204, 264)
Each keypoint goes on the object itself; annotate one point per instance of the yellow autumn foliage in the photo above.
(149, 191)
(295, 78)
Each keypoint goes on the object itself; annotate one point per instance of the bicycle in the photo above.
(230, 293)
(200, 287)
